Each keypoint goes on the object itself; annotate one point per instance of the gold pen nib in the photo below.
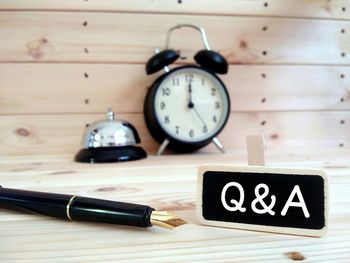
(166, 219)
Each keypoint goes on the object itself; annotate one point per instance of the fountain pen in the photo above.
(77, 208)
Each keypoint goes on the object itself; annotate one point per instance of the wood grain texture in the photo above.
(291, 8)
(62, 134)
(30, 238)
(91, 88)
(123, 37)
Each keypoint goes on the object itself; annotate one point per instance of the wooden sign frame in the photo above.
(263, 170)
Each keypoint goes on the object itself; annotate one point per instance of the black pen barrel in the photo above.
(76, 208)
(98, 210)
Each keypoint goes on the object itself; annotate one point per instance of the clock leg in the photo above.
(218, 145)
(163, 146)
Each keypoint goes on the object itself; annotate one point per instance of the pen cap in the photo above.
(35, 202)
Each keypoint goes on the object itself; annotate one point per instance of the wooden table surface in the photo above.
(169, 183)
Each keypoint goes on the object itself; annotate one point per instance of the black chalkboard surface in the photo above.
(293, 201)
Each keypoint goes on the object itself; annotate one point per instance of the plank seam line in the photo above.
(346, 64)
(141, 113)
(174, 13)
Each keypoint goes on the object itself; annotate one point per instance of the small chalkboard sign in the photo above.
(291, 201)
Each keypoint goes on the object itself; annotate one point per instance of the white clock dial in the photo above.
(191, 104)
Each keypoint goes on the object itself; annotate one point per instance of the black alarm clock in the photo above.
(188, 106)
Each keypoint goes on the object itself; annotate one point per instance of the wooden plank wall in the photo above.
(62, 63)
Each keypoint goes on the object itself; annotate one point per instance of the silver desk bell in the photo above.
(110, 140)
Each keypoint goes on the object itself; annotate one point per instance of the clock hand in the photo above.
(199, 116)
(190, 102)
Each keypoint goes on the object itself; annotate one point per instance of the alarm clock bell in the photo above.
(110, 140)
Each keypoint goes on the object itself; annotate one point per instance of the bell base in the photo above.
(110, 154)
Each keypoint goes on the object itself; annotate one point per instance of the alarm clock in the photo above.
(188, 106)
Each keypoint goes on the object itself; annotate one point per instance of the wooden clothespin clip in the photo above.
(256, 150)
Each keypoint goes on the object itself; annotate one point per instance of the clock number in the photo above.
(217, 105)
(165, 91)
(176, 82)
(189, 77)
(166, 120)
(214, 119)
(162, 105)
(203, 81)
(205, 129)
(213, 91)
(177, 129)
(191, 133)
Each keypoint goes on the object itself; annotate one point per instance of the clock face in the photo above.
(191, 104)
